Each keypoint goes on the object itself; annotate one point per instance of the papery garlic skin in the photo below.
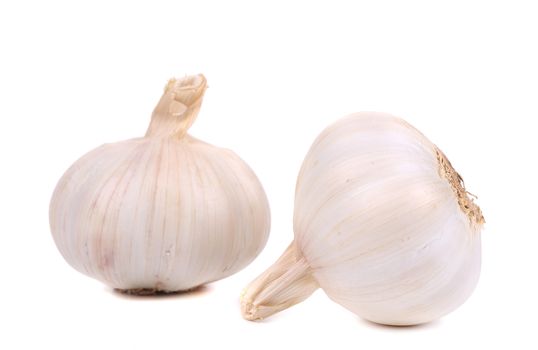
(166, 212)
(383, 224)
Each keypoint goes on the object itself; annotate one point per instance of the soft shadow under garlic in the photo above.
(152, 294)
(400, 328)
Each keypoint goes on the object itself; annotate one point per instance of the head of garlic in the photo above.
(165, 212)
(382, 223)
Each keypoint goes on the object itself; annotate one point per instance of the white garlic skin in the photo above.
(159, 213)
(380, 227)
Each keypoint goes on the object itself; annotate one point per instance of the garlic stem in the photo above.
(178, 107)
(287, 282)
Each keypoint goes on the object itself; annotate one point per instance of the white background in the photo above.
(75, 75)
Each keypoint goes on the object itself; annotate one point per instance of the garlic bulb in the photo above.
(165, 212)
(382, 224)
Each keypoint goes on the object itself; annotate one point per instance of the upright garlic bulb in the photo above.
(165, 212)
(382, 224)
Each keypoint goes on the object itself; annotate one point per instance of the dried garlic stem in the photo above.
(286, 283)
(178, 107)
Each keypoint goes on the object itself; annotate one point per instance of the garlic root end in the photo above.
(464, 198)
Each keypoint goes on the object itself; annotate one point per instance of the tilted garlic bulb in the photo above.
(165, 212)
(382, 224)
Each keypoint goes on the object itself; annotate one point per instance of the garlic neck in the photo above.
(287, 282)
(467, 205)
(178, 107)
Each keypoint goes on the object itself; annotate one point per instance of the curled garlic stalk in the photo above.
(165, 212)
(382, 223)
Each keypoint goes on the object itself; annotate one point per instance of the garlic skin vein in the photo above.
(383, 224)
(162, 213)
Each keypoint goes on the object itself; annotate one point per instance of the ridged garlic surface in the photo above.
(382, 224)
(165, 212)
